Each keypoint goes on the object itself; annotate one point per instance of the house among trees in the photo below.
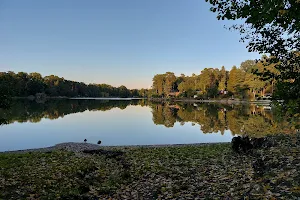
(174, 94)
(223, 92)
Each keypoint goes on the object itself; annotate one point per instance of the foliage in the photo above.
(271, 27)
(247, 81)
(164, 84)
(22, 85)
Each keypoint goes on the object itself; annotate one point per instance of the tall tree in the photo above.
(169, 83)
(223, 79)
(254, 83)
(158, 84)
(232, 80)
(247, 65)
(236, 81)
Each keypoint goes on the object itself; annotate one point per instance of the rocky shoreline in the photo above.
(192, 171)
(80, 146)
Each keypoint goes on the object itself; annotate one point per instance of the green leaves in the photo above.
(271, 27)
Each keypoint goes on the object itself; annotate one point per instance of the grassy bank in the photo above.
(175, 172)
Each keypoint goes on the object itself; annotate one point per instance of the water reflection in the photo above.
(32, 111)
(247, 119)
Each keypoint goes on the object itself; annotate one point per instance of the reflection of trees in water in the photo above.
(31, 111)
(239, 119)
(5, 101)
(212, 118)
(3, 121)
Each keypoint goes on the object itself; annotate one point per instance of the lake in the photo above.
(30, 124)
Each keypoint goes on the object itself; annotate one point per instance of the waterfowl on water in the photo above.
(85, 140)
(99, 142)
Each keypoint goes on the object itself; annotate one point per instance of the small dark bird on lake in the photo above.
(99, 142)
(85, 140)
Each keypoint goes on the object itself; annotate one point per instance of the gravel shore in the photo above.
(79, 147)
(192, 171)
(69, 146)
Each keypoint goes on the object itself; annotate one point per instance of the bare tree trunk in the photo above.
(272, 87)
(264, 91)
(254, 93)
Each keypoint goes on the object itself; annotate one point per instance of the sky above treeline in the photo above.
(115, 41)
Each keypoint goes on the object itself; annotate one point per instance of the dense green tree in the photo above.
(35, 84)
(236, 80)
(188, 86)
(253, 83)
(143, 93)
(123, 91)
(223, 79)
(247, 65)
(248, 81)
(169, 83)
(158, 84)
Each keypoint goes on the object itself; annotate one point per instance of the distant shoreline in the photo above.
(83, 98)
(230, 101)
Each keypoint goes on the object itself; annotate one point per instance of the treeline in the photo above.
(23, 84)
(251, 80)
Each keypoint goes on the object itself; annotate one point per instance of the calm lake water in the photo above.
(130, 122)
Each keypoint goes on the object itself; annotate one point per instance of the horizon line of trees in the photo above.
(22, 84)
(247, 82)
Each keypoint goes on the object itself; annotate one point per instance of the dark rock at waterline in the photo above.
(99, 142)
(245, 144)
(241, 144)
(265, 142)
(258, 142)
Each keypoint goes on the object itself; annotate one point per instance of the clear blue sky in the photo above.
(115, 41)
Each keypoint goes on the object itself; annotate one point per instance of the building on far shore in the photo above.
(174, 94)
